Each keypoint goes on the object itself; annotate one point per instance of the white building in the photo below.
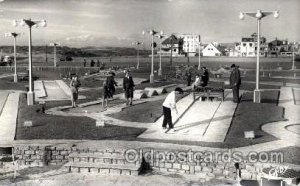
(190, 44)
(211, 50)
(248, 46)
(235, 51)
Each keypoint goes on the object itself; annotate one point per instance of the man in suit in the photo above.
(204, 77)
(235, 82)
(128, 86)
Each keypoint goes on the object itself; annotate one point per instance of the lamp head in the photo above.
(22, 23)
(276, 14)
(258, 14)
(151, 32)
(242, 16)
(161, 32)
(143, 32)
(43, 23)
(15, 23)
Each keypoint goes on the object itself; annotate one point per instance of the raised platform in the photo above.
(197, 120)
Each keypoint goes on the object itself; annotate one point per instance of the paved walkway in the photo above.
(8, 117)
(282, 129)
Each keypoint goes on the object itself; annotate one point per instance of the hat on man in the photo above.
(233, 65)
(178, 89)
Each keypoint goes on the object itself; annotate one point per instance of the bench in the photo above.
(209, 92)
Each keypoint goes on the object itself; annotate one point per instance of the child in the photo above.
(106, 95)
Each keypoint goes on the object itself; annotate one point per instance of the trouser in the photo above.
(167, 117)
(235, 92)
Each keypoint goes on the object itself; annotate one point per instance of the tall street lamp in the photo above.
(294, 67)
(160, 36)
(14, 35)
(152, 33)
(199, 57)
(54, 52)
(138, 43)
(30, 24)
(258, 15)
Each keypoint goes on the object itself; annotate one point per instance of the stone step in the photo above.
(97, 155)
(103, 168)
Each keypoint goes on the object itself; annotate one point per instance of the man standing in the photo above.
(168, 104)
(204, 77)
(235, 82)
(128, 86)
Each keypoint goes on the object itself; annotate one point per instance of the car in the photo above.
(6, 60)
(66, 58)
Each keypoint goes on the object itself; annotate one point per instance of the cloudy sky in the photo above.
(120, 22)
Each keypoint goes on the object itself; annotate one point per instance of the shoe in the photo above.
(164, 128)
(171, 131)
(130, 103)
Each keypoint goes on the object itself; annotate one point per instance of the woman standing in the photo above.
(74, 86)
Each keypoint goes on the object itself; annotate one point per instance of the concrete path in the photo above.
(221, 121)
(3, 97)
(56, 90)
(282, 129)
(5, 75)
(8, 117)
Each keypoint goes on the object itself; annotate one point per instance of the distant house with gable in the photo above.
(172, 45)
(213, 49)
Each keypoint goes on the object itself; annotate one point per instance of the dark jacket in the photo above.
(235, 77)
(128, 83)
(111, 83)
(205, 78)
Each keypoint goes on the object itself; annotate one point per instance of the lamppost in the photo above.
(152, 33)
(258, 15)
(14, 35)
(160, 36)
(30, 24)
(138, 43)
(54, 52)
(294, 67)
(199, 57)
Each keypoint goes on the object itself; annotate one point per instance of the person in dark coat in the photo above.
(111, 83)
(105, 95)
(204, 77)
(128, 86)
(84, 63)
(74, 86)
(235, 82)
(189, 78)
(98, 63)
(92, 63)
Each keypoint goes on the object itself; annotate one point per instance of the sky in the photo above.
(102, 23)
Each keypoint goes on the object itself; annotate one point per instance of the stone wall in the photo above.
(58, 155)
(41, 155)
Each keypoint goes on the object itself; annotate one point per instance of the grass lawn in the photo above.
(61, 127)
(9, 84)
(148, 112)
(250, 116)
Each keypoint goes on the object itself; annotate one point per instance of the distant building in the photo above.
(190, 44)
(235, 51)
(172, 45)
(280, 47)
(248, 47)
(213, 50)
